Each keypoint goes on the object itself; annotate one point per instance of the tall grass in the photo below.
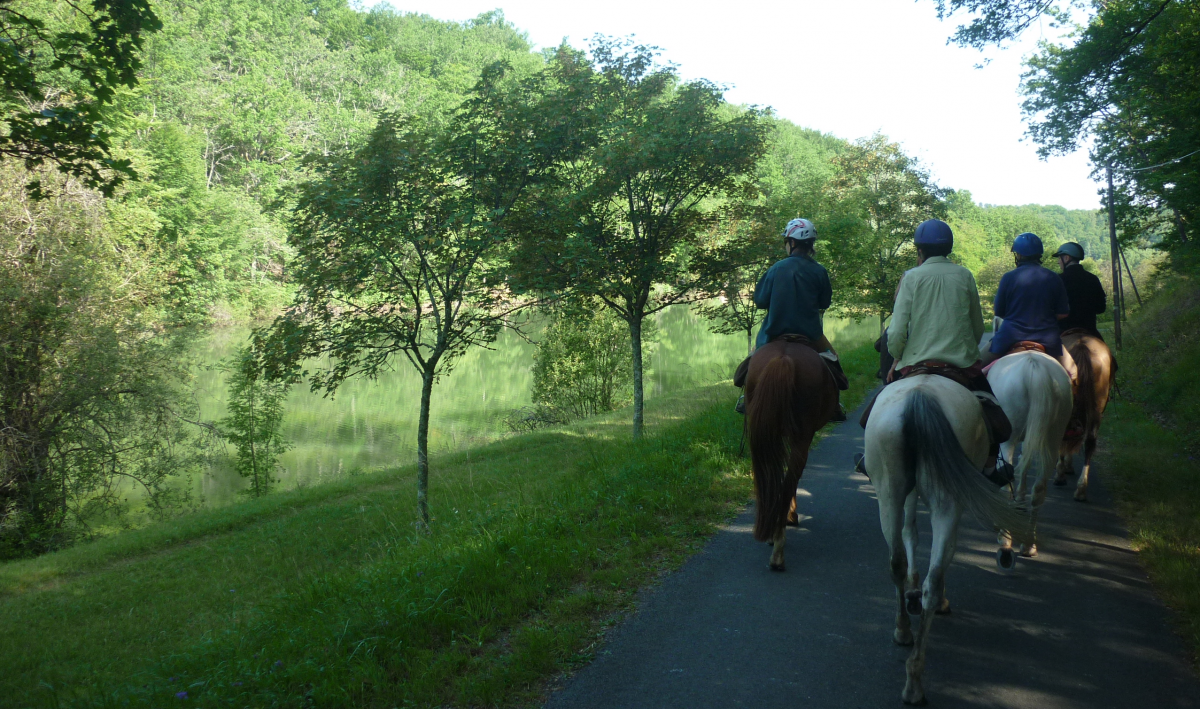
(1150, 444)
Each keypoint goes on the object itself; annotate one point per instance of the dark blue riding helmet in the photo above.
(1027, 244)
(933, 232)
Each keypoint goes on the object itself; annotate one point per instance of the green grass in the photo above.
(326, 596)
(1150, 445)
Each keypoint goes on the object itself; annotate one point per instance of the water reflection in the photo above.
(372, 424)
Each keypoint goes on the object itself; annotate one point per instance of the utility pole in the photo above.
(1118, 305)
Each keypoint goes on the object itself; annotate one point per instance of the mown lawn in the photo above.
(1150, 445)
(326, 596)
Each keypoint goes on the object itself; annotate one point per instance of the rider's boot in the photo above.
(999, 429)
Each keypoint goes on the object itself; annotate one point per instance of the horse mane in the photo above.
(770, 423)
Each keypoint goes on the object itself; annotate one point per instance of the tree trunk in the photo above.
(635, 336)
(749, 341)
(423, 453)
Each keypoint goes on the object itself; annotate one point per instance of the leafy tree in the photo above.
(253, 422)
(399, 243)
(61, 65)
(624, 221)
(1127, 83)
(90, 384)
(893, 194)
(737, 263)
(582, 366)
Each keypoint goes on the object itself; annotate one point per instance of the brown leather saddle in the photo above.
(834, 368)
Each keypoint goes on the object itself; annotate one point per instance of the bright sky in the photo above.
(846, 67)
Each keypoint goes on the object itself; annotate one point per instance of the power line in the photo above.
(1169, 162)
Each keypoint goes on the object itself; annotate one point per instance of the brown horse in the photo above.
(1097, 370)
(790, 394)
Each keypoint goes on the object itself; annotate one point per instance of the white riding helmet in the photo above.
(800, 230)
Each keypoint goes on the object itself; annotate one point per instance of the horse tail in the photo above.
(1086, 409)
(1042, 444)
(770, 424)
(930, 444)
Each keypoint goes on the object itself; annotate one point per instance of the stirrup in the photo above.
(859, 466)
(740, 406)
(829, 355)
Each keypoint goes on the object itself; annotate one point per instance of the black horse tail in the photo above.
(930, 445)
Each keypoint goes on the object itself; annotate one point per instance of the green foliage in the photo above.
(1127, 81)
(1151, 440)
(546, 536)
(583, 365)
(890, 194)
(624, 222)
(399, 243)
(61, 65)
(90, 395)
(255, 406)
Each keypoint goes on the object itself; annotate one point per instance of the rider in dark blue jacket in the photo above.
(1031, 299)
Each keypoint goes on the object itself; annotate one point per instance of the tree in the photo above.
(624, 222)
(91, 383)
(398, 243)
(61, 68)
(893, 194)
(253, 422)
(1127, 84)
(737, 263)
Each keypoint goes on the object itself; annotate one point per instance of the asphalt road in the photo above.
(1077, 627)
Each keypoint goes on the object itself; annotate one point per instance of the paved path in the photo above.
(1078, 627)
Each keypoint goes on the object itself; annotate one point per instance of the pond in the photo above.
(373, 424)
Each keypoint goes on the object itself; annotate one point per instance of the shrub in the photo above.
(583, 365)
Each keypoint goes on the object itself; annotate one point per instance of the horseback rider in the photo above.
(1032, 300)
(1085, 294)
(936, 326)
(794, 291)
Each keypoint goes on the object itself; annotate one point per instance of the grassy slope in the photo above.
(326, 595)
(1150, 445)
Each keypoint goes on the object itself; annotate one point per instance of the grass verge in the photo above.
(1150, 445)
(326, 596)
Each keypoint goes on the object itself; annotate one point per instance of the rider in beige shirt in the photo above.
(937, 315)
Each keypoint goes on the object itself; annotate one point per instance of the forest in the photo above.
(374, 189)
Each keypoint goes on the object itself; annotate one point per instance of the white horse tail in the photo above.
(931, 446)
(1042, 440)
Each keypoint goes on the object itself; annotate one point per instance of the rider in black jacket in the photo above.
(1084, 291)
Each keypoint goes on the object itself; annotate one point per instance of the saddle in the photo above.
(832, 366)
(973, 378)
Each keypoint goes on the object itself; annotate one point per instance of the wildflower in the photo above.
(181, 695)
(237, 684)
(279, 663)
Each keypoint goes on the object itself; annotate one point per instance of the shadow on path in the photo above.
(1077, 627)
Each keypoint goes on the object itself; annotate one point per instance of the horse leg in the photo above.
(892, 519)
(793, 517)
(1040, 487)
(945, 514)
(1066, 467)
(777, 543)
(1089, 447)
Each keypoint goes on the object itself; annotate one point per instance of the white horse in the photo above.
(1035, 392)
(926, 437)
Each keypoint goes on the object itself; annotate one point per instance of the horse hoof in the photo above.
(793, 523)
(943, 607)
(913, 696)
(1006, 559)
(1081, 497)
(903, 638)
(912, 602)
(776, 567)
(1029, 552)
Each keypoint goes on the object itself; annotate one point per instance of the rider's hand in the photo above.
(891, 375)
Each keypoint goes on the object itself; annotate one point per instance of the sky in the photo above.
(846, 67)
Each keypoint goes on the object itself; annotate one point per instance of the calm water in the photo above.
(373, 424)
